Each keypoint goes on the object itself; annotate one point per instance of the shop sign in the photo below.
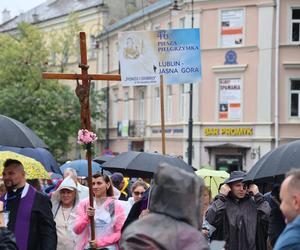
(228, 131)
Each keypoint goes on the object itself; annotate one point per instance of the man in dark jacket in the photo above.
(240, 215)
(276, 222)
(28, 212)
(175, 214)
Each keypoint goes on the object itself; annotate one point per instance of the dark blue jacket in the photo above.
(290, 237)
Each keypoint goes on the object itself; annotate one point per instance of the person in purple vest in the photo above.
(27, 212)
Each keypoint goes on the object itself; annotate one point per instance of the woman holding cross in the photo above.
(108, 214)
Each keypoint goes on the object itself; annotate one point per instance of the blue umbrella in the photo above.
(81, 167)
(40, 154)
(56, 176)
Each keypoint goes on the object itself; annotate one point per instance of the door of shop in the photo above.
(229, 163)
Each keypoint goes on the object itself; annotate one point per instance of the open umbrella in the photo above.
(212, 178)
(16, 134)
(33, 168)
(55, 176)
(40, 154)
(142, 164)
(103, 158)
(81, 167)
(273, 165)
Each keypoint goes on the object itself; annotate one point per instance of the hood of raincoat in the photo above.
(178, 194)
(67, 183)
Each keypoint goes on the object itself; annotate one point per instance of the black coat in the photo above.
(7, 240)
(42, 233)
(241, 223)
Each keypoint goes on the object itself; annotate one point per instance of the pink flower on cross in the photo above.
(86, 137)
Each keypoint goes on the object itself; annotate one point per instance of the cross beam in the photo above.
(83, 93)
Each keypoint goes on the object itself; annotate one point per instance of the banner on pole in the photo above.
(145, 55)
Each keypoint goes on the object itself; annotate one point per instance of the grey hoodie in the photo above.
(175, 214)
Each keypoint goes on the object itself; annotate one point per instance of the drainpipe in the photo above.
(276, 115)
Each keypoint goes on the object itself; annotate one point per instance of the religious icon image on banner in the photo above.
(131, 51)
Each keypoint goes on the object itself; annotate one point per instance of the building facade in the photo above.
(91, 16)
(248, 100)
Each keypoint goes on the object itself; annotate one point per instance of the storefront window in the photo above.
(229, 163)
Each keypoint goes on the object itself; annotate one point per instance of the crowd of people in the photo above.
(174, 211)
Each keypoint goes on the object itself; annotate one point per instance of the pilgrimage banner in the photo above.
(145, 55)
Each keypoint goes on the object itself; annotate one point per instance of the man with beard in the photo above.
(27, 212)
(240, 215)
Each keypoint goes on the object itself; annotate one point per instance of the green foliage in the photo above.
(50, 109)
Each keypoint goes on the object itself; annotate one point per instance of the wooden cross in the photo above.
(83, 93)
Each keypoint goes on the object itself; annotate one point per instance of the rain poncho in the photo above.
(109, 220)
(242, 223)
(175, 215)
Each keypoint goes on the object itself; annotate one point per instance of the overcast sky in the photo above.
(16, 6)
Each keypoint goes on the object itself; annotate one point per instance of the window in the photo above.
(230, 99)
(156, 27)
(169, 103)
(232, 28)
(182, 23)
(142, 105)
(115, 109)
(126, 106)
(295, 25)
(156, 105)
(295, 97)
(93, 47)
(181, 101)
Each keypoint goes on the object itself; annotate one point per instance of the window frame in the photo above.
(115, 108)
(169, 109)
(141, 113)
(290, 99)
(156, 105)
(126, 105)
(290, 24)
(181, 102)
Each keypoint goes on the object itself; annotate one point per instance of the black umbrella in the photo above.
(103, 158)
(40, 154)
(276, 163)
(142, 164)
(17, 134)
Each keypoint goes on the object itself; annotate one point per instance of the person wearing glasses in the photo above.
(137, 190)
(240, 215)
